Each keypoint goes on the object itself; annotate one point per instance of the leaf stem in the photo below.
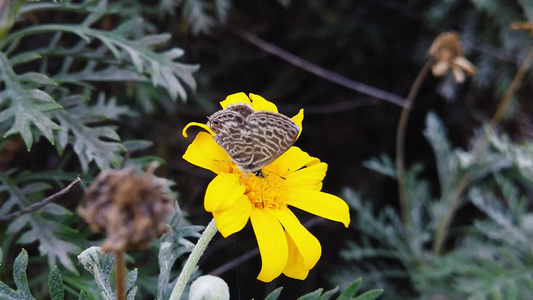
(120, 275)
(400, 141)
(193, 259)
(480, 147)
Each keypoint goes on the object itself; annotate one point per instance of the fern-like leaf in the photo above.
(26, 106)
(21, 280)
(90, 143)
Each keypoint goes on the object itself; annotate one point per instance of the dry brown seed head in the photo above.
(131, 208)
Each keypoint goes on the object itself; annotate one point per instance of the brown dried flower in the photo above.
(447, 55)
(131, 208)
(522, 26)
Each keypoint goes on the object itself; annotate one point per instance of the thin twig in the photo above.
(120, 275)
(41, 203)
(481, 146)
(319, 71)
(400, 141)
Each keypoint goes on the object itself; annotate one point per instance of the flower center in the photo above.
(265, 192)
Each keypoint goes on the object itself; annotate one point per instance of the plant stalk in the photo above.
(400, 141)
(120, 275)
(193, 259)
(481, 146)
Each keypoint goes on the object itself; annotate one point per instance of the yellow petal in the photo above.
(295, 267)
(272, 243)
(294, 159)
(260, 103)
(298, 119)
(309, 178)
(306, 243)
(321, 204)
(234, 218)
(206, 153)
(235, 98)
(201, 125)
(222, 192)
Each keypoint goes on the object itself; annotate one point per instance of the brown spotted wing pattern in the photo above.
(253, 139)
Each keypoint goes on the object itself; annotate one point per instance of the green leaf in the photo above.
(383, 165)
(350, 291)
(42, 230)
(274, 295)
(370, 295)
(173, 245)
(55, 285)
(311, 296)
(99, 144)
(21, 280)
(25, 106)
(328, 294)
(100, 265)
(83, 296)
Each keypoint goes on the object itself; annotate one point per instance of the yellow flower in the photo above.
(447, 55)
(294, 179)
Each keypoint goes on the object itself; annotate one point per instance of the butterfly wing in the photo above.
(232, 134)
(272, 135)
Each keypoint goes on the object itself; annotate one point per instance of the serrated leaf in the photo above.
(131, 278)
(98, 144)
(350, 291)
(36, 78)
(26, 107)
(137, 145)
(370, 295)
(447, 162)
(328, 294)
(100, 265)
(40, 230)
(55, 285)
(274, 295)
(24, 57)
(83, 296)
(21, 280)
(311, 296)
(173, 245)
(383, 165)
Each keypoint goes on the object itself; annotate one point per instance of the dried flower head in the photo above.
(446, 53)
(131, 208)
(522, 26)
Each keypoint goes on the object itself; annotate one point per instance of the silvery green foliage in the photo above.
(45, 227)
(100, 265)
(347, 294)
(202, 15)
(56, 98)
(174, 244)
(491, 259)
(22, 292)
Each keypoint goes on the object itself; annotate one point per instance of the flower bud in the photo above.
(209, 287)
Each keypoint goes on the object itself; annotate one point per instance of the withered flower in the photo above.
(522, 26)
(131, 208)
(447, 55)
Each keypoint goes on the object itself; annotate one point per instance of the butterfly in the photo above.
(253, 139)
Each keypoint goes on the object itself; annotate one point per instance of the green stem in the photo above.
(191, 263)
(481, 146)
(400, 141)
